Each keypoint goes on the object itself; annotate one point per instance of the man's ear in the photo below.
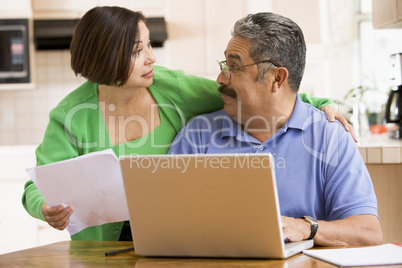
(280, 77)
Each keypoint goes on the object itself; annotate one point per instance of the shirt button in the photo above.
(261, 148)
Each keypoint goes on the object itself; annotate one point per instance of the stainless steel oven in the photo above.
(14, 51)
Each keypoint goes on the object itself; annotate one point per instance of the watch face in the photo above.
(311, 219)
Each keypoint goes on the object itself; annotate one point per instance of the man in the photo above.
(319, 171)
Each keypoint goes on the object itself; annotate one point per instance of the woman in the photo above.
(127, 104)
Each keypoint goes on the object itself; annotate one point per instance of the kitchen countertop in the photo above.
(375, 149)
(380, 149)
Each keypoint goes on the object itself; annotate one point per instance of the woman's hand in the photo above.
(57, 217)
(333, 114)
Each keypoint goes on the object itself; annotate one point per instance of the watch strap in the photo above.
(314, 229)
(314, 226)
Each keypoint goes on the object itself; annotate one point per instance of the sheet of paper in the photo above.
(91, 184)
(364, 256)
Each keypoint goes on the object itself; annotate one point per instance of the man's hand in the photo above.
(333, 114)
(295, 229)
(354, 230)
(57, 217)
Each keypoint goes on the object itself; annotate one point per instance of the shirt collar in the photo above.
(299, 115)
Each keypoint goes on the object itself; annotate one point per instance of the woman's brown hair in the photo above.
(103, 43)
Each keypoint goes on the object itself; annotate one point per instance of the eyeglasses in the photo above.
(226, 70)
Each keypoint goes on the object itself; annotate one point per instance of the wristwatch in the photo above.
(314, 226)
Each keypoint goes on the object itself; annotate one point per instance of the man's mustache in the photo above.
(227, 91)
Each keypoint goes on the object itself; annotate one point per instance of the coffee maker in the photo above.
(393, 109)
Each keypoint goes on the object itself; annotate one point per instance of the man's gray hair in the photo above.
(274, 38)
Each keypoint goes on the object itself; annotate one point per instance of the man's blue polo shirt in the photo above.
(319, 170)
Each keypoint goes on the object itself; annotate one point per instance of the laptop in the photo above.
(205, 205)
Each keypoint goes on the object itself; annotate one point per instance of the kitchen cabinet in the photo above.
(18, 230)
(74, 9)
(310, 24)
(47, 9)
(14, 9)
(387, 14)
(387, 183)
(150, 8)
(383, 158)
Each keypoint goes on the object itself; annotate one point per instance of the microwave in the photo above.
(14, 51)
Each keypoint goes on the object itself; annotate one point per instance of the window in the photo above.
(376, 47)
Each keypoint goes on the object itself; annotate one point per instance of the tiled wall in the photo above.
(24, 113)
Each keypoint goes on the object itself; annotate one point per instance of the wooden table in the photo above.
(92, 254)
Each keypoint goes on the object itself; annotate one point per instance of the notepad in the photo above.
(364, 256)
